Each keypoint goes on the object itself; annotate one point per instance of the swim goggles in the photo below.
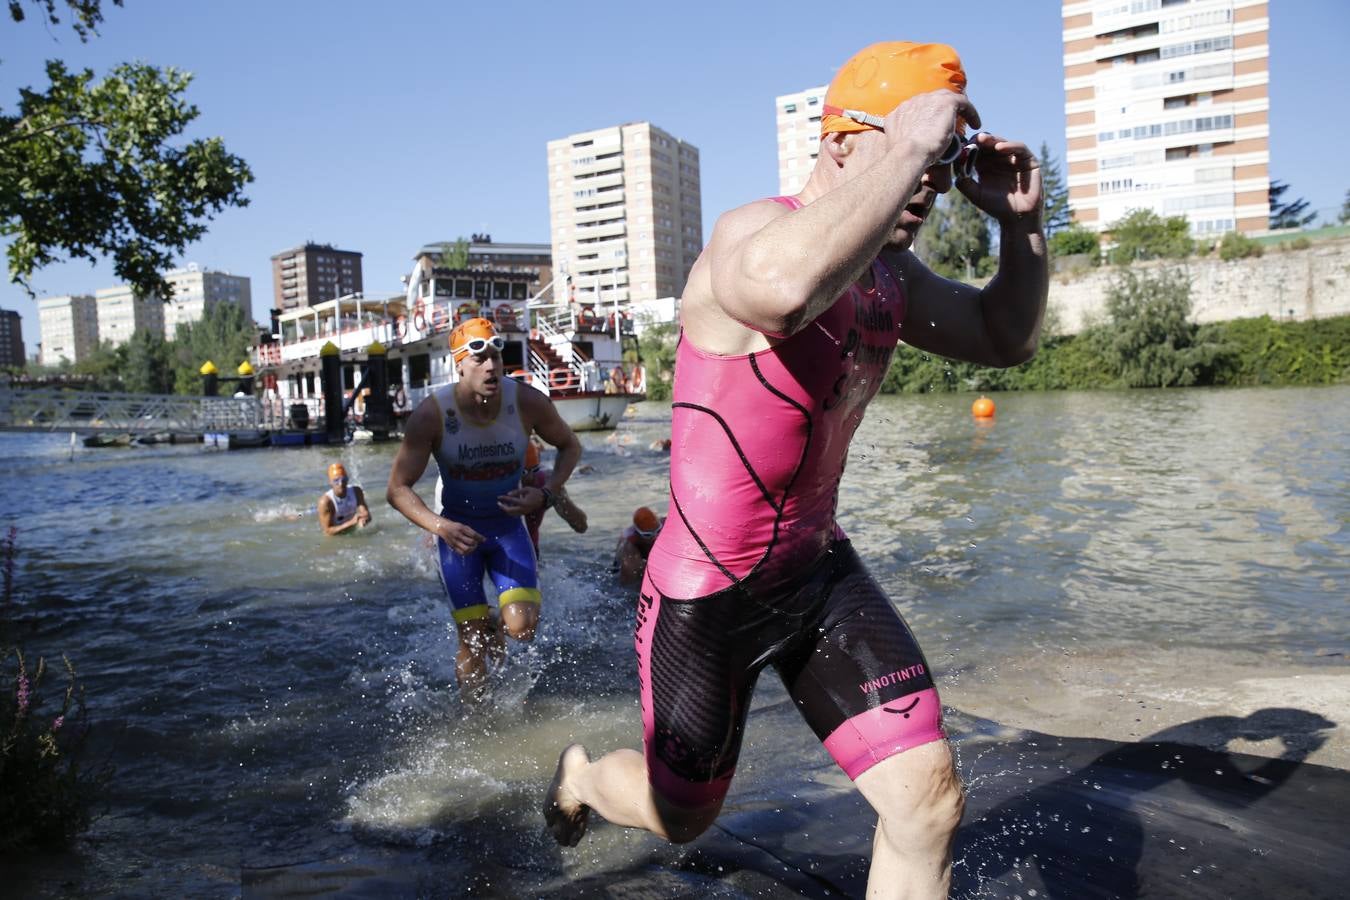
(647, 534)
(480, 345)
(961, 152)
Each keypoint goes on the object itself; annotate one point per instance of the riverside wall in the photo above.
(1311, 283)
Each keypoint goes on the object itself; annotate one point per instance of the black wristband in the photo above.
(548, 498)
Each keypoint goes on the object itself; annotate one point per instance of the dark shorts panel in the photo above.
(845, 655)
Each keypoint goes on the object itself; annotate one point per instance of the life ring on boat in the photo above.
(522, 376)
(466, 312)
(586, 317)
(439, 316)
(401, 327)
(505, 317)
(420, 315)
(562, 379)
(400, 398)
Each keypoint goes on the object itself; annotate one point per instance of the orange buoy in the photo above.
(982, 408)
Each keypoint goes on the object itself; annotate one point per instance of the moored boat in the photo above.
(572, 352)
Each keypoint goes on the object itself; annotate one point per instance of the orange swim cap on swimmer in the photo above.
(879, 78)
(468, 330)
(337, 470)
(645, 521)
(531, 456)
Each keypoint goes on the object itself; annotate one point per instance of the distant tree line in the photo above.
(149, 364)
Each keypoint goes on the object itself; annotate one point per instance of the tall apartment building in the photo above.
(798, 119)
(195, 290)
(625, 212)
(1167, 107)
(11, 339)
(121, 312)
(68, 327)
(314, 273)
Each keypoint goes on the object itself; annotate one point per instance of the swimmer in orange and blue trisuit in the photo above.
(788, 320)
(477, 430)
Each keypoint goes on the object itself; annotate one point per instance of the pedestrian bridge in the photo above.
(92, 412)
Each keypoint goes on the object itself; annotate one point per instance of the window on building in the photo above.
(790, 108)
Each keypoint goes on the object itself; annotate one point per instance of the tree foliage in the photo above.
(1143, 234)
(1152, 340)
(1058, 216)
(222, 335)
(955, 240)
(86, 15)
(88, 169)
(657, 345)
(1288, 213)
(1238, 246)
(149, 363)
(456, 255)
(1075, 240)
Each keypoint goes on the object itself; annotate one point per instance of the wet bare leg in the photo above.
(616, 787)
(476, 638)
(918, 798)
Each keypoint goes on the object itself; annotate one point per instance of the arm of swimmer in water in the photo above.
(551, 427)
(419, 437)
(774, 270)
(362, 510)
(572, 514)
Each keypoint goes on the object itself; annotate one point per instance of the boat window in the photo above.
(444, 287)
(501, 290)
(513, 355)
(519, 291)
(463, 288)
(348, 378)
(419, 370)
(482, 289)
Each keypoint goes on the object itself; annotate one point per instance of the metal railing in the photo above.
(90, 411)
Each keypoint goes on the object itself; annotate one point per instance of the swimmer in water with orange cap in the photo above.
(477, 430)
(563, 504)
(343, 506)
(789, 319)
(635, 545)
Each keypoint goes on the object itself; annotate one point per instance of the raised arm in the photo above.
(1000, 324)
(774, 270)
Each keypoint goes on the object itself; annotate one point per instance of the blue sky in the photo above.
(380, 127)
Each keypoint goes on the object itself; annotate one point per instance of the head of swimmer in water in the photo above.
(477, 351)
(337, 479)
(873, 82)
(646, 523)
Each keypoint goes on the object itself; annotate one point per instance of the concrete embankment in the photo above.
(1308, 283)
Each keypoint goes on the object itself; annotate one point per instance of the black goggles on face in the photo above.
(479, 345)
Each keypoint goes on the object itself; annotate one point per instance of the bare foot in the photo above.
(566, 816)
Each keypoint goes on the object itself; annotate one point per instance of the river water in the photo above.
(270, 697)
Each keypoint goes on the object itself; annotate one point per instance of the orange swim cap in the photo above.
(879, 78)
(468, 330)
(531, 456)
(645, 521)
(337, 470)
